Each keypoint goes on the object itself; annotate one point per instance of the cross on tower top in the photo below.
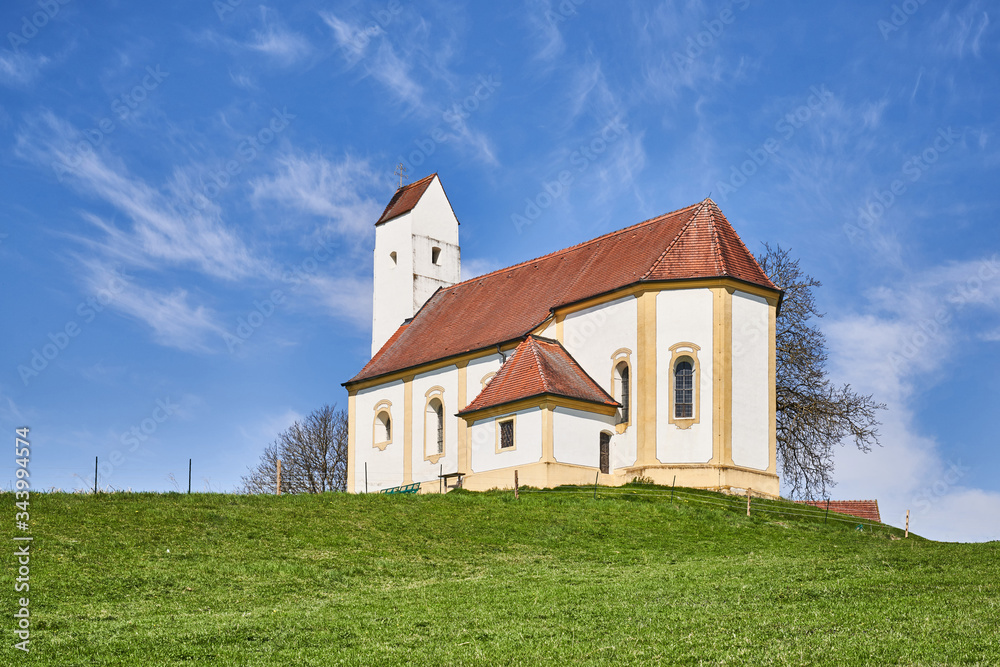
(401, 172)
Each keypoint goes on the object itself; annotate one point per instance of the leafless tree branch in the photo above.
(813, 414)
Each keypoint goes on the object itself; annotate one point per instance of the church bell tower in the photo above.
(416, 252)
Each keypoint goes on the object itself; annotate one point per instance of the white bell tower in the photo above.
(416, 252)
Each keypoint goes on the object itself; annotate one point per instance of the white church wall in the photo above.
(475, 372)
(592, 336)
(433, 215)
(447, 379)
(683, 316)
(550, 330)
(392, 300)
(385, 468)
(527, 442)
(577, 438)
(750, 381)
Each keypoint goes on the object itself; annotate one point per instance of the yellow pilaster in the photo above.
(722, 375)
(772, 363)
(646, 379)
(463, 426)
(408, 429)
(559, 327)
(352, 451)
(548, 434)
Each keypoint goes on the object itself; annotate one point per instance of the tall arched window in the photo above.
(622, 389)
(382, 426)
(604, 456)
(384, 430)
(434, 427)
(683, 389)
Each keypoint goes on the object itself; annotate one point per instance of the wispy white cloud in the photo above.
(365, 45)
(166, 225)
(173, 321)
(17, 69)
(274, 40)
(544, 19)
(401, 59)
(277, 41)
(960, 32)
(893, 348)
(341, 192)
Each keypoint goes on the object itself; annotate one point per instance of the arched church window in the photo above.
(434, 433)
(683, 389)
(605, 452)
(382, 427)
(622, 392)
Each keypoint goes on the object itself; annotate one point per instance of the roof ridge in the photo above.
(555, 253)
(720, 261)
(418, 182)
(743, 245)
(673, 242)
(539, 366)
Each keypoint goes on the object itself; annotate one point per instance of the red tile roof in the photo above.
(503, 306)
(405, 199)
(863, 509)
(539, 366)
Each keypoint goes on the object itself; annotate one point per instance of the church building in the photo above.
(646, 352)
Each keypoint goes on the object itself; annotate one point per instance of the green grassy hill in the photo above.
(465, 578)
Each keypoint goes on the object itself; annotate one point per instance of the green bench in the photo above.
(408, 488)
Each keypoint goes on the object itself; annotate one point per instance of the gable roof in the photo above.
(505, 305)
(405, 199)
(863, 509)
(538, 367)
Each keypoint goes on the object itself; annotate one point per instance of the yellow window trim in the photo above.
(380, 407)
(678, 352)
(623, 355)
(496, 422)
(435, 392)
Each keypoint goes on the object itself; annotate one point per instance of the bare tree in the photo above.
(313, 456)
(813, 414)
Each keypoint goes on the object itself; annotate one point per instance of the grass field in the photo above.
(150, 579)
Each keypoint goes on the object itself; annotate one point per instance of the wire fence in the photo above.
(736, 503)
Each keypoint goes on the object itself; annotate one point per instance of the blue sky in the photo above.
(168, 171)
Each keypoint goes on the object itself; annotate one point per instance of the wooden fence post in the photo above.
(672, 485)
(366, 476)
(279, 477)
(515, 485)
(596, 477)
(907, 533)
(95, 475)
(748, 502)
